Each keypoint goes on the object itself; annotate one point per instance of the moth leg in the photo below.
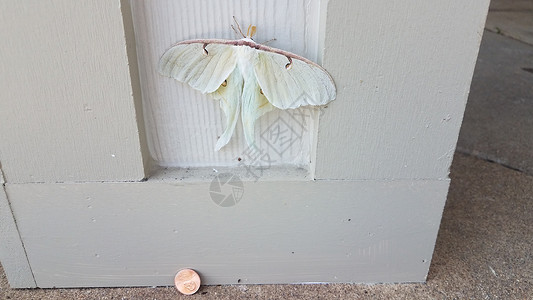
(205, 50)
(269, 41)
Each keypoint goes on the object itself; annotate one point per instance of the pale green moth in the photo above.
(247, 77)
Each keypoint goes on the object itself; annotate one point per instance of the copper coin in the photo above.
(187, 281)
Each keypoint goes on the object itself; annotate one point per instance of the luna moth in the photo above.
(247, 77)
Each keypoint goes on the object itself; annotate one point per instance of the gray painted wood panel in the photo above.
(67, 108)
(128, 234)
(403, 72)
(12, 254)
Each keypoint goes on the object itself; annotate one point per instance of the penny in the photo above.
(187, 281)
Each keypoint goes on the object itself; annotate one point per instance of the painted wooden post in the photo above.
(357, 198)
(68, 111)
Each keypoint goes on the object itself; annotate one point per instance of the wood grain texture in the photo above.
(403, 72)
(12, 254)
(119, 234)
(182, 124)
(67, 109)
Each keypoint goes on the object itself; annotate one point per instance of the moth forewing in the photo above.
(302, 84)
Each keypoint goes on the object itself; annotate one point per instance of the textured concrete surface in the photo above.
(513, 18)
(498, 121)
(483, 251)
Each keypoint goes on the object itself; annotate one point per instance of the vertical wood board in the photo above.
(120, 234)
(403, 72)
(133, 64)
(182, 124)
(67, 110)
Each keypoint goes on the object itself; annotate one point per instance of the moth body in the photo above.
(245, 57)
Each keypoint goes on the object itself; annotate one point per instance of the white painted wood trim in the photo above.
(182, 124)
(68, 110)
(403, 72)
(12, 253)
(140, 234)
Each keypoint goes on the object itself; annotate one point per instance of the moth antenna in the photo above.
(251, 31)
(269, 41)
(234, 30)
(238, 26)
